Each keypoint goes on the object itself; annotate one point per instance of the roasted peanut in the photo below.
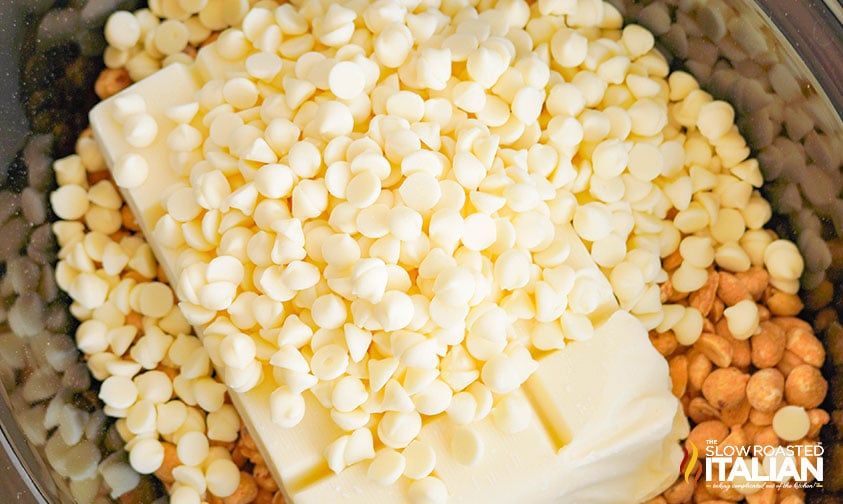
(722, 328)
(766, 495)
(825, 318)
(264, 497)
(736, 438)
(741, 353)
(665, 291)
(723, 490)
(717, 308)
(679, 492)
(806, 346)
(664, 342)
(818, 419)
(755, 280)
(699, 367)
(672, 261)
(731, 290)
(699, 410)
(781, 303)
(788, 323)
(278, 498)
(765, 389)
(264, 478)
(111, 81)
(766, 436)
(761, 417)
(246, 491)
(820, 296)
(701, 494)
(768, 346)
(657, 500)
(805, 386)
(737, 414)
(789, 362)
(716, 348)
(678, 369)
(725, 387)
(703, 298)
(711, 430)
(171, 461)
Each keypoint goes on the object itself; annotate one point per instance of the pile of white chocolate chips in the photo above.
(376, 191)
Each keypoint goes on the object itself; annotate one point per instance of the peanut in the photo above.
(264, 497)
(741, 353)
(834, 342)
(731, 290)
(678, 369)
(246, 491)
(825, 318)
(768, 346)
(766, 437)
(725, 387)
(722, 328)
(699, 410)
(820, 296)
(818, 419)
(789, 361)
(699, 367)
(763, 313)
(278, 498)
(766, 495)
(805, 386)
(264, 478)
(751, 429)
(701, 494)
(665, 291)
(755, 280)
(128, 219)
(679, 492)
(716, 348)
(664, 342)
(736, 438)
(788, 323)
(765, 389)
(673, 261)
(711, 430)
(761, 417)
(781, 303)
(111, 81)
(171, 461)
(723, 490)
(806, 346)
(703, 298)
(737, 414)
(717, 308)
(657, 500)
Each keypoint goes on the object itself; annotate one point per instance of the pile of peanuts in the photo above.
(731, 387)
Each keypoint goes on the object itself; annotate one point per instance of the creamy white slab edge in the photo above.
(605, 427)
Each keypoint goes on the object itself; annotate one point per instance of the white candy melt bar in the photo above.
(594, 423)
